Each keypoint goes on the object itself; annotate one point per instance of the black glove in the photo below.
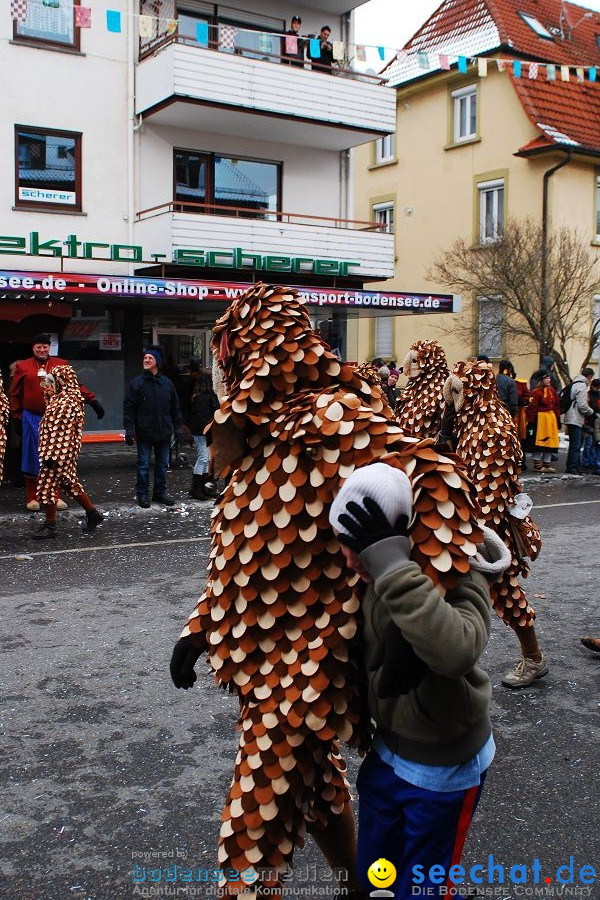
(184, 658)
(368, 524)
(49, 464)
(98, 408)
(129, 439)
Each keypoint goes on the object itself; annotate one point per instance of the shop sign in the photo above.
(109, 341)
(393, 302)
(44, 195)
(236, 258)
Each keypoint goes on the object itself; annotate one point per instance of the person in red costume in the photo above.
(27, 406)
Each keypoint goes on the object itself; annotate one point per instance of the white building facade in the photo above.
(164, 155)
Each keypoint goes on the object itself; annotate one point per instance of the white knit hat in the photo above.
(389, 487)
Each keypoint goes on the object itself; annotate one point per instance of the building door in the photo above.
(182, 347)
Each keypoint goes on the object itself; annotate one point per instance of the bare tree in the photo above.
(511, 270)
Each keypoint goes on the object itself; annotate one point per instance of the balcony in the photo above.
(184, 85)
(220, 229)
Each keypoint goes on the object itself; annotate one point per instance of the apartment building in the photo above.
(163, 156)
(498, 117)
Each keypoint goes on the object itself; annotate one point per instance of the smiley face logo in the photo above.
(381, 873)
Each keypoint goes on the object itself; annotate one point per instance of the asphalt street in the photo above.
(104, 763)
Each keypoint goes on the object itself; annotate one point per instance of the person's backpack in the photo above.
(564, 398)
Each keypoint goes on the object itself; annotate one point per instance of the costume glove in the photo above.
(129, 439)
(367, 524)
(98, 408)
(184, 658)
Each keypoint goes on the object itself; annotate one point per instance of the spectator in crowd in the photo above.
(27, 406)
(204, 404)
(547, 367)
(151, 413)
(291, 56)
(575, 417)
(483, 358)
(523, 395)
(507, 388)
(543, 414)
(392, 366)
(324, 60)
(590, 455)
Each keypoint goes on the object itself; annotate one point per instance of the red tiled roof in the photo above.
(566, 113)
(480, 27)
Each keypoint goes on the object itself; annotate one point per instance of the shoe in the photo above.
(549, 470)
(525, 672)
(144, 502)
(197, 490)
(165, 499)
(538, 465)
(60, 504)
(93, 517)
(591, 643)
(571, 472)
(33, 506)
(47, 530)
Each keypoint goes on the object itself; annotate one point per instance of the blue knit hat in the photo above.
(156, 353)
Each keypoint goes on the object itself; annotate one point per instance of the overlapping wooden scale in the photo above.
(60, 436)
(421, 406)
(488, 442)
(4, 416)
(279, 609)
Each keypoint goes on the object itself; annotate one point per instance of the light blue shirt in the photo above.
(439, 778)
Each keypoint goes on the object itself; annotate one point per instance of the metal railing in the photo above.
(245, 212)
(337, 69)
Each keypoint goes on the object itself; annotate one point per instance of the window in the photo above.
(48, 168)
(384, 337)
(598, 207)
(464, 103)
(383, 214)
(536, 25)
(490, 326)
(224, 181)
(49, 21)
(385, 148)
(491, 210)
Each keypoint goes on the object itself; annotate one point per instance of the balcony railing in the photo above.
(245, 212)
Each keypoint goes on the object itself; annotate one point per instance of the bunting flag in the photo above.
(423, 59)
(551, 72)
(83, 17)
(533, 70)
(381, 51)
(579, 73)
(291, 45)
(444, 62)
(146, 26)
(462, 64)
(592, 73)
(361, 53)
(113, 20)
(565, 73)
(501, 63)
(339, 50)
(202, 33)
(314, 48)
(227, 36)
(171, 26)
(517, 68)
(482, 66)
(18, 10)
(265, 42)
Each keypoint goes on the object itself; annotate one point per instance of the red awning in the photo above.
(19, 310)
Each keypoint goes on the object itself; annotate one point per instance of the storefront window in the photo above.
(48, 168)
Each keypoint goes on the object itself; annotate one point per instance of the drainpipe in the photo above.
(547, 176)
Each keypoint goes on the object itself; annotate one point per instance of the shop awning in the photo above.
(12, 310)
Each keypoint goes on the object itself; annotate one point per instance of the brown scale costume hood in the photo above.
(60, 434)
(488, 442)
(421, 405)
(4, 416)
(278, 614)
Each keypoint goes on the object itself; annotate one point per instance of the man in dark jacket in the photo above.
(151, 413)
(507, 386)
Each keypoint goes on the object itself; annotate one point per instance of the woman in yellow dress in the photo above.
(544, 412)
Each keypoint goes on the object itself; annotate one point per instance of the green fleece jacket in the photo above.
(440, 715)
